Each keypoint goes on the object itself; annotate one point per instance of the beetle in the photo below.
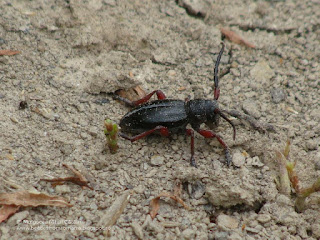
(167, 116)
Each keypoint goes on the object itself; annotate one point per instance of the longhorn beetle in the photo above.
(166, 116)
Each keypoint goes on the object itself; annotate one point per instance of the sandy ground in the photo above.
(73, 53)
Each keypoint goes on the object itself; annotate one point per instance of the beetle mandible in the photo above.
(166, 116)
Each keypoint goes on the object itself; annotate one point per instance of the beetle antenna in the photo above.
(228, 120)
(216, 77)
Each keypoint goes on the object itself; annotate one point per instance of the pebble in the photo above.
(226, 222)
(139, 189)
(238, 159)
(255, 161)
(316, 230)
(235, 236)
(317, 161)
(18, 217)
(252, 108)
(195, 8)
(264, 218)
(312, 145)
(262, 72)
(93, 206)
(251, 230)
(137, 229)
(4, 230)
(277, 95)
(221, 235)
(196, 190)
(188, 234)
(155, 226)
(157, 160)
(62, 189)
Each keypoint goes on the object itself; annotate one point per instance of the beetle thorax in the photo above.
(202, 111)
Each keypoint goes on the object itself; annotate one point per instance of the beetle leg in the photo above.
(190, 133)
(145, 99)
(217, 110)
(210, 134)
(163, 132)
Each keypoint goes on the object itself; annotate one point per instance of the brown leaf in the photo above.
(132, 94)
(6, 211)
(8, 52)
(233, 37)
(154, 204)
(28, 199)
(79, 179)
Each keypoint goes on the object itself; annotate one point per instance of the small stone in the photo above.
(4, 230)
(93, 131)
(93, 206)
(100, 164)
(157, 160)
(155, 226)
(252, 230)
(139, 189)
(316, 230)
(255, 161)
(196, 190)
(235, 236)
(137, 229)
(252, 108)
(312, 145)
(264, 218)
(226, 222)
(195, 7)
(221, 235)
(188, 234)
(262, 72)
(277, 95)
(317, 161)
(62, 189)
(238, 159)
(172, 73)
(18, 217)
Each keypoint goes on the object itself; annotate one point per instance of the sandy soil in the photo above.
(74, 53)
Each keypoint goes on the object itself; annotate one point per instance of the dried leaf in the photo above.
(8, 52)
(79, 179)
(28, 199)
(115, 210)
(233, 37)
(154, 204)
(132, 94)
(6, 211)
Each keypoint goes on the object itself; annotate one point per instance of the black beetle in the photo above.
(167, 116)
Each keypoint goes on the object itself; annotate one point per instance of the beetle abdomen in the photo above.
(167, 113)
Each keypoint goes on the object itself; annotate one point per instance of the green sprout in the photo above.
(111, 132)
(289, 175)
